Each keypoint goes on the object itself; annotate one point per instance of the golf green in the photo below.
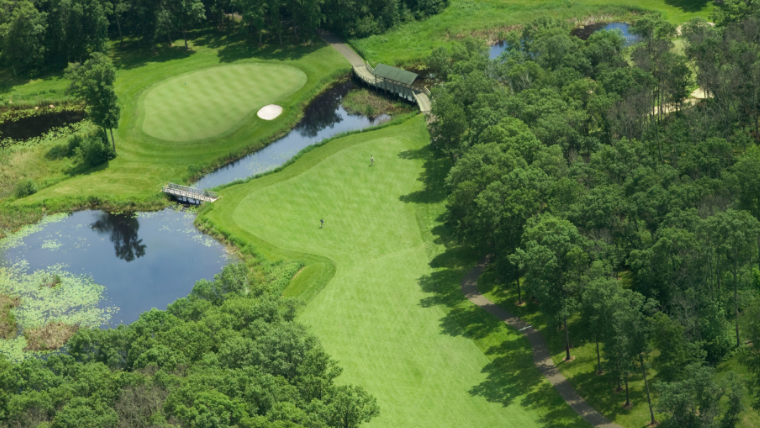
(208, 102)
(382, 315)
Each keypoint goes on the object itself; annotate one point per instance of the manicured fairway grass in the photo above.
(207, 103)
(144, 162)
(391, 310)
(412, 42)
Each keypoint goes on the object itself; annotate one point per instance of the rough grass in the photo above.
(410, 43)
(390, 309)
(371, 104)
(49, 337)
(145, 163)
(7, 320)
(207, 103)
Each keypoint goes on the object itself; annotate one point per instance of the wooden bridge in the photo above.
(394, 80)
(190, 194)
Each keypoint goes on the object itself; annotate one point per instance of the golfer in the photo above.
(322, 221)
(371, 160)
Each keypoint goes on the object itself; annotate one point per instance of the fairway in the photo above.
(208, 102)
(378, 315)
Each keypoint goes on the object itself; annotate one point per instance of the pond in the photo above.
(34, 126)
(145, 260)
(585, 32)
(323, 118)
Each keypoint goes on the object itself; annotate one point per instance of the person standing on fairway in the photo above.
(371, 160)
(322, 223)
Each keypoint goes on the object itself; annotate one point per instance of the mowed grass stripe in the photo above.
(377, 315)
(209, 102)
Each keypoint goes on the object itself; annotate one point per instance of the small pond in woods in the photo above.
(583, 33)
(26, 128)
(323, 118)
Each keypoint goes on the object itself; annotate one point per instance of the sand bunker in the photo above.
(270, 112)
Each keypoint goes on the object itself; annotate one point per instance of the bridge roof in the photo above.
(395, 74)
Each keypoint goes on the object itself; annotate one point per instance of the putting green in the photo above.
(209, 102)
(389, 314)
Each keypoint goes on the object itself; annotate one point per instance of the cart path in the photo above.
(541, 356)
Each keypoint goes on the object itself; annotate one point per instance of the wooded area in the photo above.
(624, 205)
(43, 36)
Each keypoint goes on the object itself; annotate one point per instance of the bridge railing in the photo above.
(194, 190)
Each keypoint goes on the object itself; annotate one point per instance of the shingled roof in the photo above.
(395, 74)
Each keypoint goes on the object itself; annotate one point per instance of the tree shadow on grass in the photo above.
(433, 176)
(134, 54)
(688, 5)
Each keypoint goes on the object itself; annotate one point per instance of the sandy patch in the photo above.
(269, 112)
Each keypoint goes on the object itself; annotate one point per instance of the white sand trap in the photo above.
(269, 112)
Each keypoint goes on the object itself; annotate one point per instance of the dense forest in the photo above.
(229, 354)
(45, 35)
(627, 206)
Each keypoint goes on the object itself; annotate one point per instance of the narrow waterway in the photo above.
(323, 118)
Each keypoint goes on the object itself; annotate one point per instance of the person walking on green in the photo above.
(371, 160)
(322, 223)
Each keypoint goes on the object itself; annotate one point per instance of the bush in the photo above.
(95, 151)
(25, 188)
(75, 141)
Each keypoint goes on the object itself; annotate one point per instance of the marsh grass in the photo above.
(7, 319)
(49, 337)
(372, 104)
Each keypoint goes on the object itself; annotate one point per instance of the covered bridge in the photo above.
(395, 80)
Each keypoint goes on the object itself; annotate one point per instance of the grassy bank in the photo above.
(145, 162)
(382, 282)
(409, 43)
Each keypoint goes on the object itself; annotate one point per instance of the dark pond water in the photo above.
(32, 127)
(585, 32)
(323, 118)
(497, 49)
(144, 260)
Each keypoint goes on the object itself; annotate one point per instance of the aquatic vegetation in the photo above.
(49, 296)
(7, 320)
(15, 239)
(51, 244)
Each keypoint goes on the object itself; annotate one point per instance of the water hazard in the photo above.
(145, 260)
(31, 127)
(583, 33)
(323, 118)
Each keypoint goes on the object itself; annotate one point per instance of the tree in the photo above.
(747, 172)
(349, 406)
(632, 329)
(186, 14)
(106, 112)
(736, 234)
(93, 82)
(694, 402)
(554, 260)
(750, 356)
(598, 311)
(22, 38)
(254, 15)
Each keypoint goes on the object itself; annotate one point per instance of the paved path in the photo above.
(541, 356)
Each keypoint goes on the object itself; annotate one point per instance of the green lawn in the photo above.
(390, 309)
(145, 162)
(208, 102)
(411, 42)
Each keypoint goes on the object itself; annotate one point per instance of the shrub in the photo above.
(75, 141)
(25, 188)
(95, 151)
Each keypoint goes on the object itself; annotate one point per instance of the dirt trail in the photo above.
(541, 356)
